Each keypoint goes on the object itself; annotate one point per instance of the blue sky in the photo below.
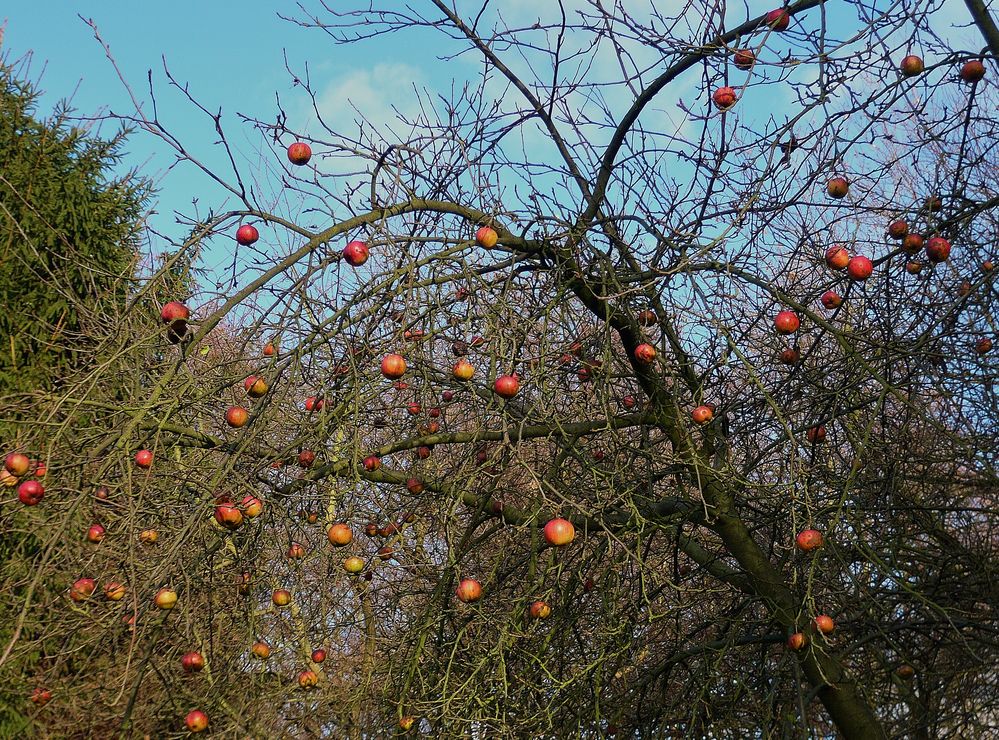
(233, 55)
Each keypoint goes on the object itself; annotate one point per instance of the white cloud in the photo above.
(376, 93)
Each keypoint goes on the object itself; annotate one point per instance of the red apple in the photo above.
(414, 409)
(423, 451)
(196, 721)
(261, 650)
(393, 366)
(912, 243)
(837, 257)
(355, 253)
(859, 268)
(17, 463)
(786, 322)
(165, 598)
(228, 515)
(898, 230)
(809, 540)
(252, 506)
(778, 20)
(296, 551)
(144, 459)
(82, 589)
(540, 610)
(790, 356)
(314, 403)
(299, 153)
(414, 486)
(988, 266)
(645, 354)
(306, 458)
(816, 435)
(30, 493)
(340, 535)
(825, 624)
(911, 66)
(372, 463)
(236, 416)
(913, 268)
(506, 386)
(269, 349)
(174, 311)
(797, 641)
(937, 249)
(934, 203)
(406, 723)
(192, 662)
(983, 345)
(114, 591)
(41, 696)
(972, 71)
(744, 59)
(702, 415)
(831, 299)
(247, 235)
(95, 533)
(629, 402)
(255, 387)
(318, 655)
(905, 671)
(486, 237)
(559, 532)
(281, 597)
(468, 590)
(837, 187)
(724, 98)
(464, 370)
(647, 318)
(447, 396)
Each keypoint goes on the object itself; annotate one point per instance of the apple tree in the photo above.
(640, 383)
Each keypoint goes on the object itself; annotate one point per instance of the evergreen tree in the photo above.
(69, 236)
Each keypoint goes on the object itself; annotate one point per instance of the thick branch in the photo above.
(985, 24)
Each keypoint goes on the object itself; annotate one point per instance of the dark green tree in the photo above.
(70, 227)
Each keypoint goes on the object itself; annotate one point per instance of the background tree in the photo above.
(71, 233)
(764, 405)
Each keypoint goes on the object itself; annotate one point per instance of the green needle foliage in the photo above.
(70, 228)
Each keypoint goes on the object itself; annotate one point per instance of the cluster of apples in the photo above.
(21, 471)
(778, 21)
(558, 532)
